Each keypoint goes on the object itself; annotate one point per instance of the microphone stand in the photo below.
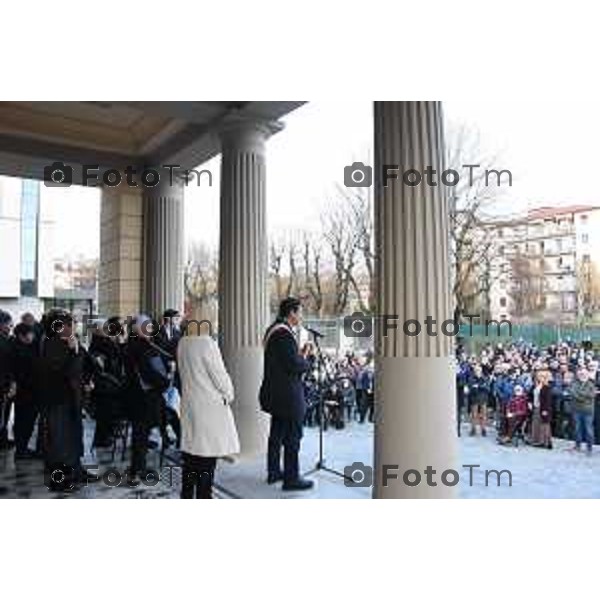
(321, 466)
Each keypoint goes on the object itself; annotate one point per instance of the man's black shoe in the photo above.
(299, 485)
(274, 478)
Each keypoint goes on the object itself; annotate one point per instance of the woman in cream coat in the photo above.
(207, 426)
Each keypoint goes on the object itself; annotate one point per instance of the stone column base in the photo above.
(245, 366)
(415, 424)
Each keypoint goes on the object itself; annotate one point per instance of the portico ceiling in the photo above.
(114, 134)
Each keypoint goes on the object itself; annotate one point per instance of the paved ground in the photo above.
(536, 473)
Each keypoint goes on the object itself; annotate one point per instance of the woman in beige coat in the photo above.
(207, 426)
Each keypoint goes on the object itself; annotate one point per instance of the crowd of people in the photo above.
(159, 375)
(151, 376)
(345, 384)
(531, 394)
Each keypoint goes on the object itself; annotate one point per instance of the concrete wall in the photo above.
(120, 277)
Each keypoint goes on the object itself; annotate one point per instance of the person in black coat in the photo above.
(62, 375)
(24, 355)
(38, 330)
(282, 396)
(106, 359)
(6, 376)
(145, 363)
(479, 399)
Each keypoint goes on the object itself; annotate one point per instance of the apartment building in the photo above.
(542, 262)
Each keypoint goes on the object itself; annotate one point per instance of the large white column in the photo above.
(243, 308)
(163, 245)
(415, 424)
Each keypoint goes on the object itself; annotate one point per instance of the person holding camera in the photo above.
(61, 366)
(282, 396)
(149, 380)
(106, 357)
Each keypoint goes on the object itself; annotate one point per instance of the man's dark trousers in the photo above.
(286, 433)
(26, 412)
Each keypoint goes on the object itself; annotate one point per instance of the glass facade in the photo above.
(30, 210)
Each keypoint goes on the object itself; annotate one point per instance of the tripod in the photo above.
(321, 466)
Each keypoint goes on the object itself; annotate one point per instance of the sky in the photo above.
(550, 148)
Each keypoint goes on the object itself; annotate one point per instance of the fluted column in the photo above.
(163, 246)
(243, 308)
(415, 411)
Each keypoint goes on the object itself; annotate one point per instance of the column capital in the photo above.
(238, 130)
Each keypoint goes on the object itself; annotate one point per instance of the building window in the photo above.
(583, 218)
(30, 209)
(503, 302)
(585, 238)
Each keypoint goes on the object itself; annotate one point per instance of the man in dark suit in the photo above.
(170, 331)
(167, 339)
(282, 396)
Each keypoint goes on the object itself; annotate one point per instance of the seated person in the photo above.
(515, 415)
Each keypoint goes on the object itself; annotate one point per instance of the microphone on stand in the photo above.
(314, 332)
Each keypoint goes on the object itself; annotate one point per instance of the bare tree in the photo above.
(276, 258)
(201, 280)
(341, 239)
(528, 285)
(472, 243)
(312, 283)
(359, 203)
(588, 288)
